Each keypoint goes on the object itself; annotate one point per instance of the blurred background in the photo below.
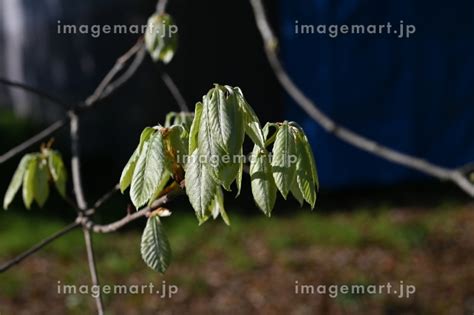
(375, 222)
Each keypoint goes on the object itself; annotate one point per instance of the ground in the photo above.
(252, 267)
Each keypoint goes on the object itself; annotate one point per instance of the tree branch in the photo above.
(105, 88)
(112, 227)
(173, 88)
(350, 137)
(38, 246)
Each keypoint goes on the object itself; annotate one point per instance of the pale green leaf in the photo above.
(148, 171)
(16, 181)
(304, 174)
(284, 159)
(200, 186)
(262, 182)
(58, 172)
(218, 206)
(128, 170)
(41, 185)
(29, 181)
(155, 247)
(159, 189)
(295, 191)
(160, 40)
(240, 174)
(252, 124)
(193, 133)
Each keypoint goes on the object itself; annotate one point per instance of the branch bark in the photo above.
(347, 135)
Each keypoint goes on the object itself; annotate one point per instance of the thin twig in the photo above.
(339, 131)
(42, 94)
(174, 90)
(89, 103)
(161, 6)
(33, 140)
(112, 227)
(93, 268)
(38, 246)
(76, 164)
(81, 202)
(102, 200)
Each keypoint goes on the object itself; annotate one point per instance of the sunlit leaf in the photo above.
(41, 185)
(58, 172)
(200, 186)
(29, 182)
(160, 38)
(155, 247)
(284, 159)
(263, 185)
(148, 171)
(16, 181)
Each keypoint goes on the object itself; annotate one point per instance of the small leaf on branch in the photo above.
(16, 181)
(155, 247)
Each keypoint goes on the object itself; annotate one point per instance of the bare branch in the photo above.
(339, 131)
(76, 164)
(100, 93)
(38, 246)
(173, 88)
(161, 6)
(33, 140)
(93, 269)
(102, 200)
(42, 94)
(112, 227)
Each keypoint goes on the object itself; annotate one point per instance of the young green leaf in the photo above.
(218, 206)
(166, 177)
(284, 159)
(155, 247)
(29, 181)
(161, 37)
(127, 173)
(253, 128)
(148, 171)
(16, 181)
(41, 182)
(295, 191)
(200, 186)
(194, 130)
(57, 171)
(262, 182)
(304, 172)
(240, 174)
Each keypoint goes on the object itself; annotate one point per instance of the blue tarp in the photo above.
(415, 95)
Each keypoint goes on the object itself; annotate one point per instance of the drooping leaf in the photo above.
(240, 174)
(159, 189)
(262, 182)
(295, 191)
(304, 174)
(284, 159)
(148, 171)
(58, 172)
(155, 247)
(161, 38)
(194, 130)
(16, 181)
(127, 173)
(29, 181)
(41, 185)
(200, 186)
(253, 128)
(176, 147)
(128, 170)
(210, 150)
(218, 206)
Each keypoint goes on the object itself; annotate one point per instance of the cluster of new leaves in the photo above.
(161, 37)
(206, 150)
(35, 172)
